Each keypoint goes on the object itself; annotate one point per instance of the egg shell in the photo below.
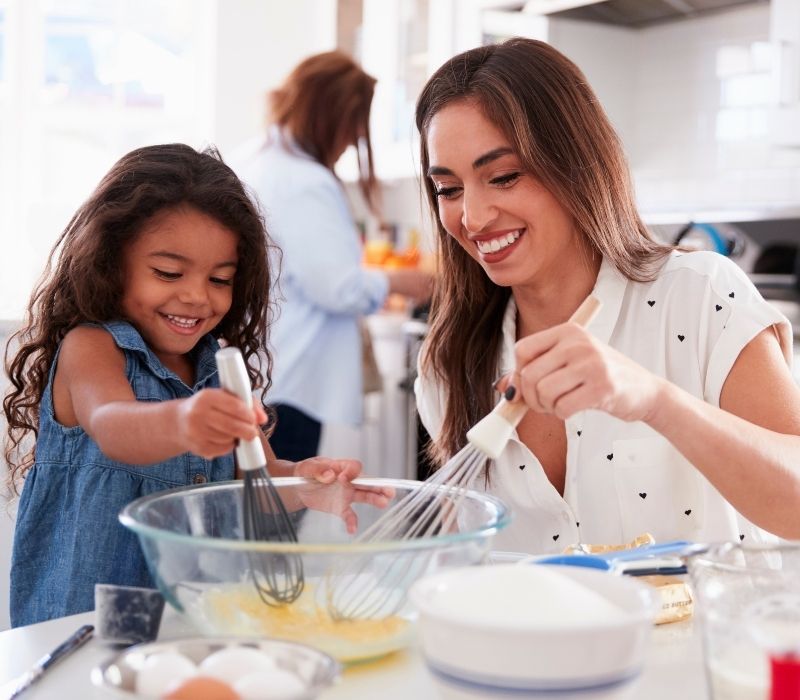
(202, 688)
(275, 684)
(233, 663)
(162, 670)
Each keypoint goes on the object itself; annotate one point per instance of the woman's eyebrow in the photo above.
(490, 156)
(479, 162)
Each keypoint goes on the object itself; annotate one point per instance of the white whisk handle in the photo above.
(233, 378)
(511, 411)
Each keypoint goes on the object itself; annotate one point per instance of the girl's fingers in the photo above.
(374, 497)
(350, 520)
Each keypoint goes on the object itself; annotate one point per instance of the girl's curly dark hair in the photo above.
(83, 281)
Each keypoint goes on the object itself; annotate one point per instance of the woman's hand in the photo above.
(211, 421)
(564, 370)
(330, 489)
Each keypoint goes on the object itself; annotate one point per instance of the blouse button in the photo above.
(199, 479)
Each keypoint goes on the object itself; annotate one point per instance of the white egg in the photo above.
(233, 663)
(275, 684)
(160, 671)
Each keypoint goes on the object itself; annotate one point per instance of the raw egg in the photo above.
(202, 688)
(162, 670)
(231, 664)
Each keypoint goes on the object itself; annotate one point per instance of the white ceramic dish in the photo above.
(517, 627)
(315, 669)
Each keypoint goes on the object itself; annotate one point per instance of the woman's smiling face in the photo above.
(501, 214)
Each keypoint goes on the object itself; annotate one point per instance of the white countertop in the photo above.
(674, 667)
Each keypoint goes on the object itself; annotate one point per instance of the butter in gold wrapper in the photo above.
(675, 595)
(640, 541)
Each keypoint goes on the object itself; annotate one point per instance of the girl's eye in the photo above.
(163, 274)
(505, 180)
(447, 192)
(222, 282)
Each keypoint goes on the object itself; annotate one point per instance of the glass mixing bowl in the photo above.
(194, 545)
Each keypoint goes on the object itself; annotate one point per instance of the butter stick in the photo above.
(675, 595)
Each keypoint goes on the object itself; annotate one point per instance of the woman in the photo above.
(674, 412)
(322, 108)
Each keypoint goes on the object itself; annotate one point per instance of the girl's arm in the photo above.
(749, 448)
(91, 390)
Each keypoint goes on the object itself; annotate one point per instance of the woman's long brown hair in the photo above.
(543, 104)
(83, 281)
(325, 104)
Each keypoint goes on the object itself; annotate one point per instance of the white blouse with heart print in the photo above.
(624, 479)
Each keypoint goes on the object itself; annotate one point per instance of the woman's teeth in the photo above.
(182, 321)
(498, 243)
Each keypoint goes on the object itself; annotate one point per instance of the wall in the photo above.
(257, 44)
(691, 100)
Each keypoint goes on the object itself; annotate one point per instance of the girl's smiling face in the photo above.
(501, 214)
(178, 281)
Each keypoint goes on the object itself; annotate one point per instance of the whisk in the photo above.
(278, 577)
(368, 590)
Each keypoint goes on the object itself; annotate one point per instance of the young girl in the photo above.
(115, 376)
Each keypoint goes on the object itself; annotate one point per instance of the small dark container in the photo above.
(126, 614)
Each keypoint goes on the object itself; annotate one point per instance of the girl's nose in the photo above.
(193, 293)
(478, 212)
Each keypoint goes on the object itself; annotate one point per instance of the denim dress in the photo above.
(67, 536)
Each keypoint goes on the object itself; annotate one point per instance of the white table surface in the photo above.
(674, 667)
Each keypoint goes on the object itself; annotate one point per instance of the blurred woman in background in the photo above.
(322, 108)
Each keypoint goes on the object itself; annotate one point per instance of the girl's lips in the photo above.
(503, 253)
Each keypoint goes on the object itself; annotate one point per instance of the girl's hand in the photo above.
(330, 488)
(564, 370)
(211, 421)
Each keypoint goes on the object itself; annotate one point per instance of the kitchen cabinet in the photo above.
(785, 38)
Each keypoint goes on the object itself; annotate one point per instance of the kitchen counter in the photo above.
(673, 669)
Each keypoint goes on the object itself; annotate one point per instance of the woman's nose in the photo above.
(478, 212)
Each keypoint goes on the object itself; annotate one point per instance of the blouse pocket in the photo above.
(658, 490)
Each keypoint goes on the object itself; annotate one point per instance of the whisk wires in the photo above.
(278, 577)
(369, 588)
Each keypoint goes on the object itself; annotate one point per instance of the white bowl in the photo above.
(534, 628)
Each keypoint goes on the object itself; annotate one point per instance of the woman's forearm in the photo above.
(757, 470)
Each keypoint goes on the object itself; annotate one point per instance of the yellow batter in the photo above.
(238, 609)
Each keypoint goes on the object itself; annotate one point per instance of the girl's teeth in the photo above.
(498, 243)
(183, 322)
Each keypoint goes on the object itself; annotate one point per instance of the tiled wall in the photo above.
(691, 101)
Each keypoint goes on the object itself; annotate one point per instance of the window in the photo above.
(81, 83)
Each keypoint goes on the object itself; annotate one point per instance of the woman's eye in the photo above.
(503, 180)
(222, 282)
(163, 274)
(447, 192)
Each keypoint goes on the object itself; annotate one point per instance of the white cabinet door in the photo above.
(785, 37)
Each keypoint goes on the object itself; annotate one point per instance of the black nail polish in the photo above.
(510, 393)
